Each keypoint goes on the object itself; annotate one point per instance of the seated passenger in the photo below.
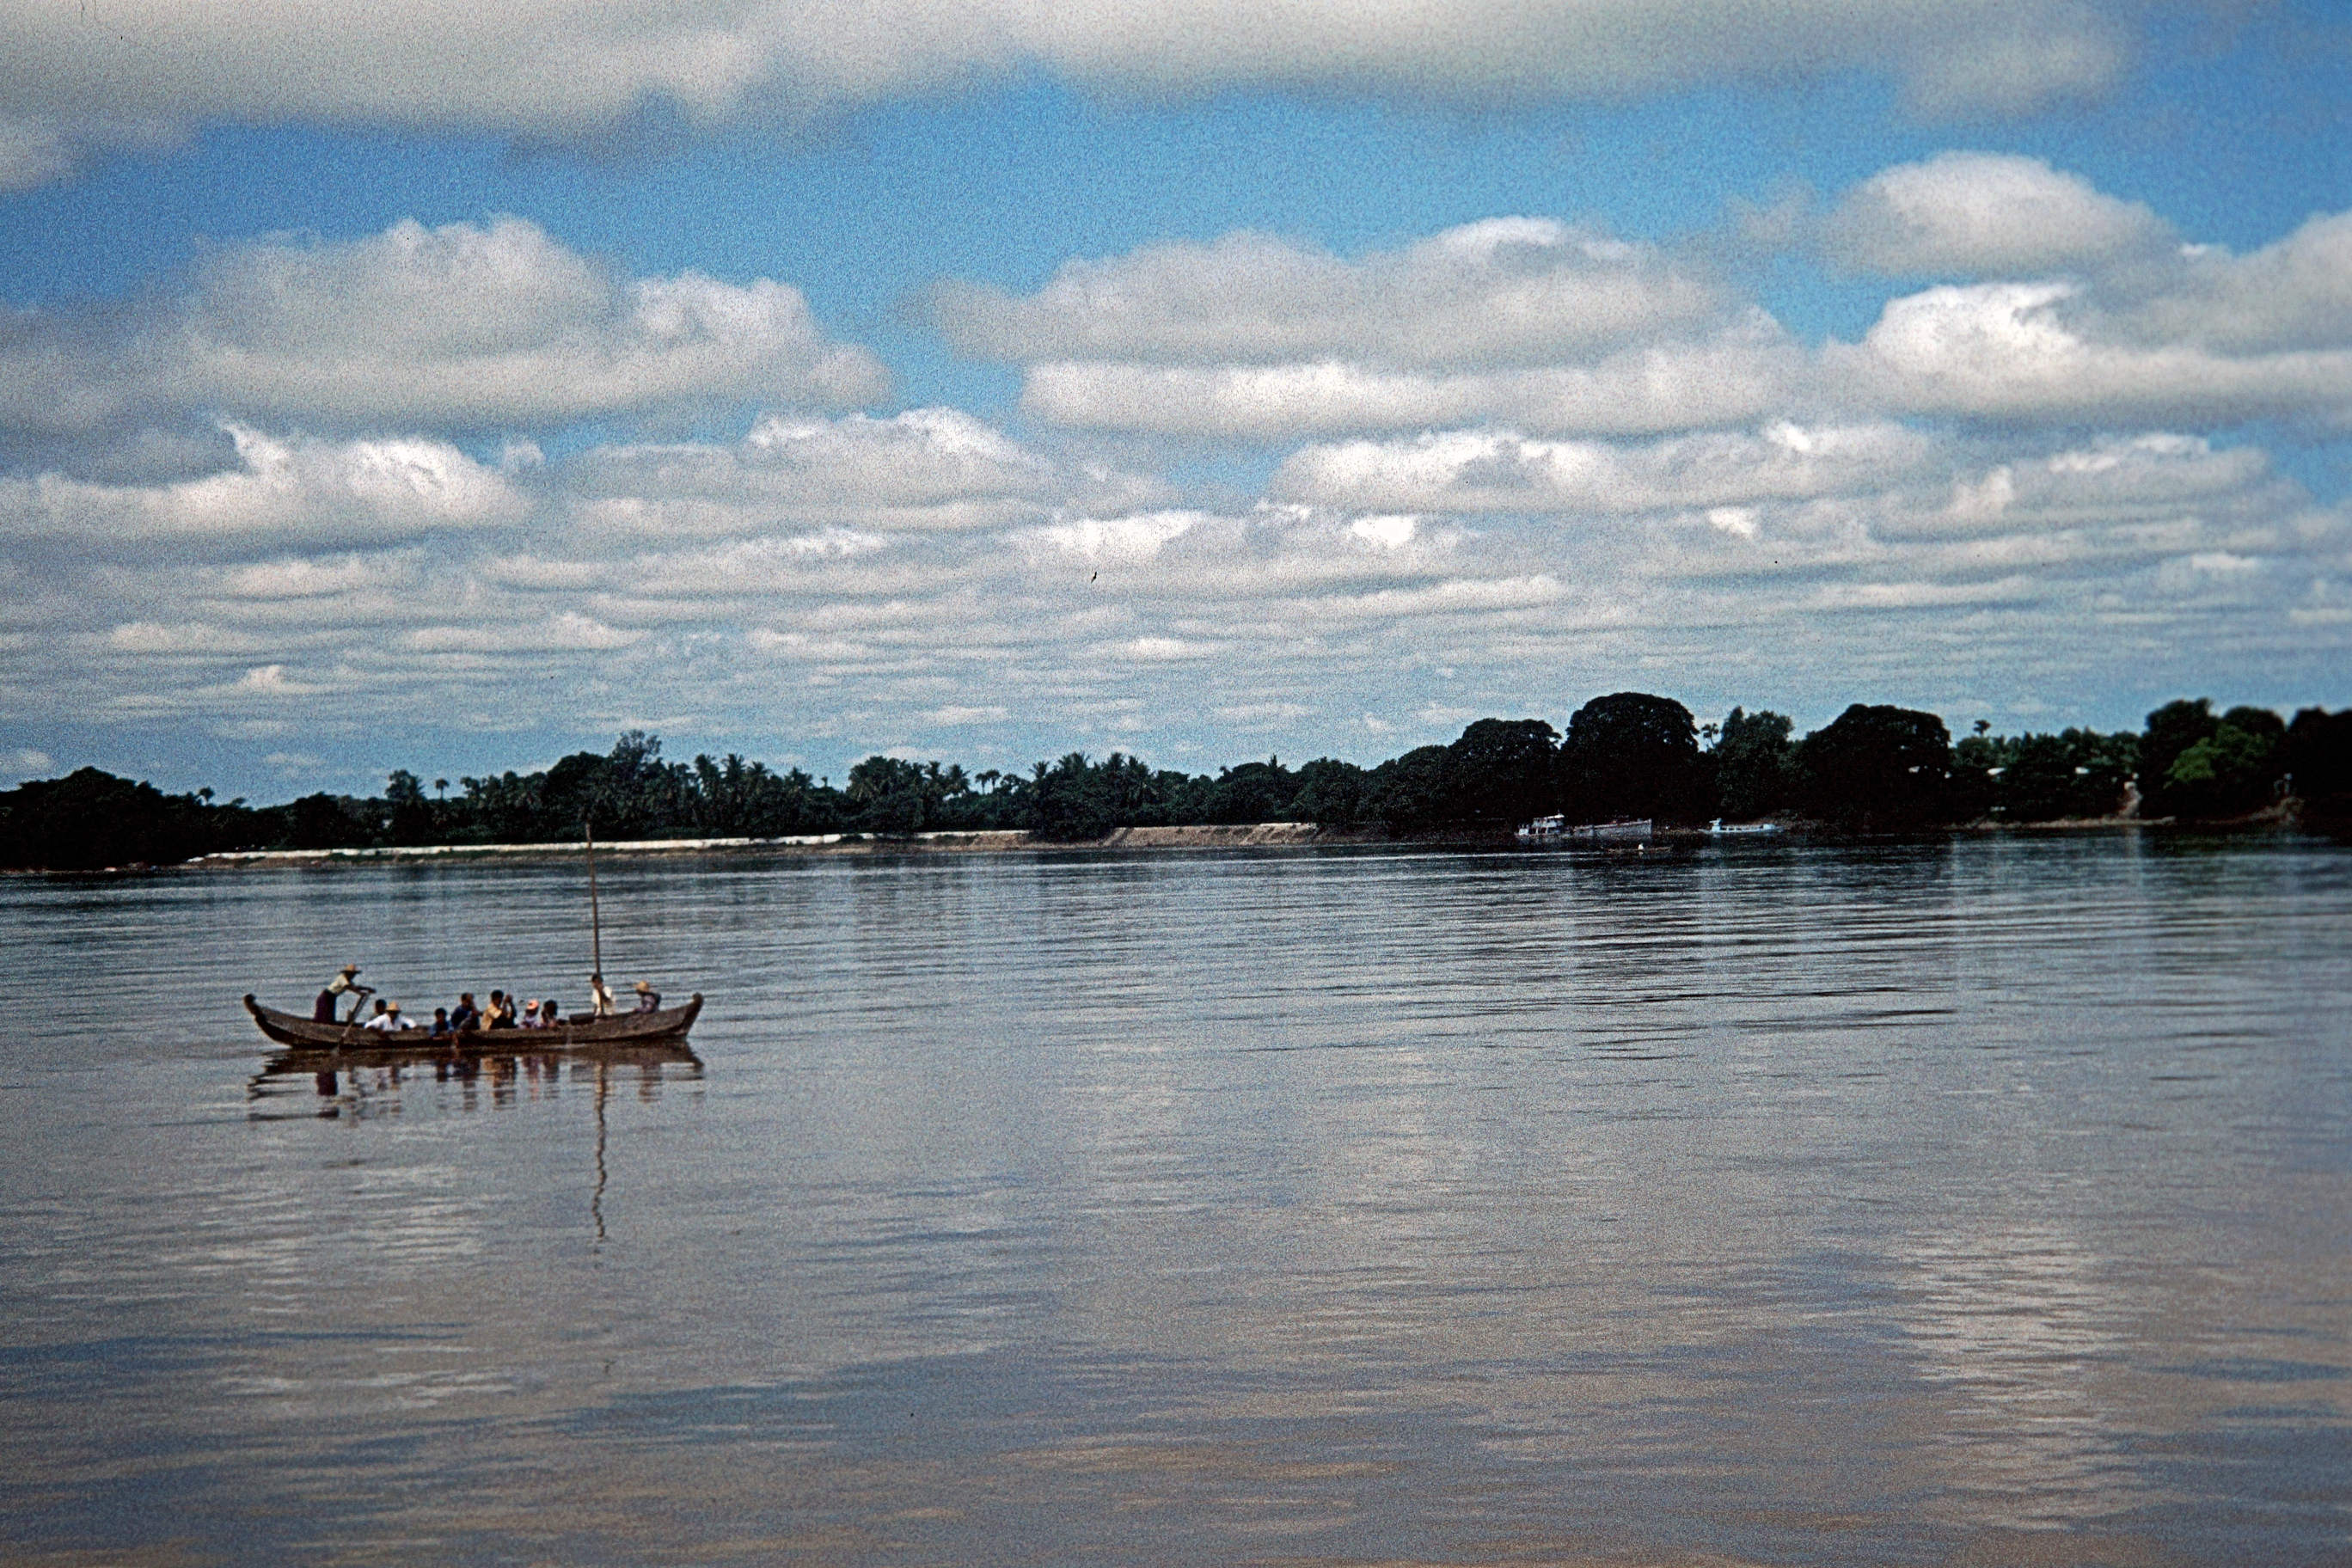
(530, 1018)
(386, 1020)
(467, 1016)
(501, 1014)
(442, 1028)
(649, 999)
(549, 1013)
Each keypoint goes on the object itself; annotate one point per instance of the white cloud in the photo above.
(1525, 320)
(1481, 470)
(26, 762)
(958, 716)
(927, 469)
(567, 631)
(2046, 352)
(462, 327)
(559, 69)
(1738, 375)
(1507, 291)
(284, 490)
(2293, 295)
(1985, 215)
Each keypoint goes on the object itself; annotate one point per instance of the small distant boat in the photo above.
(1619, 831)
(581, 1030)
(1719, 828)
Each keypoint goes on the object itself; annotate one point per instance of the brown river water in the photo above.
(1973, 1201)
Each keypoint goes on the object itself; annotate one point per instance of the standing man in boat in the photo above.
(344, 984)
(601, 995)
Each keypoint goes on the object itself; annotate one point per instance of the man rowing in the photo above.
(344, 984)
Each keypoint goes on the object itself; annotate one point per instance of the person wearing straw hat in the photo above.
(649, 999)
(386, 1021)
(344, 984)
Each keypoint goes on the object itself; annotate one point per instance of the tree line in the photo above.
(1629, 754)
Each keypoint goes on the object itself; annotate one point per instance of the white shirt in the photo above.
(384, 1022)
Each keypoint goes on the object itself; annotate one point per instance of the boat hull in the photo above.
(620, 1029)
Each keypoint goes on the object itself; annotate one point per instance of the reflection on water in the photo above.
(363, 1082)
(1983, 1201)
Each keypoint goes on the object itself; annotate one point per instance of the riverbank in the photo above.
(1192, 836)
(1249, 836)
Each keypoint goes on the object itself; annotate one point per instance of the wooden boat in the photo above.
(582, 1029)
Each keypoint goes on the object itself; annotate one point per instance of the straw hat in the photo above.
(392, 1007)
(351, 969)
(642, 986)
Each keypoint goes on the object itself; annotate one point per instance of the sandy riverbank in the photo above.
(1262, 835)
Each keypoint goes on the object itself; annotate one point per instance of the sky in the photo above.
(453, 388)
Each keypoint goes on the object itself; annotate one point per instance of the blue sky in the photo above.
(408, 390)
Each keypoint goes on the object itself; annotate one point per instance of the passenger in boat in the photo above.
(442, 1028)
(602, 997)
(341, 986)
(501, 1012)
(530, 1018)
(649, 999)
(386, 1020)
(467, 1016)
(549, 1015)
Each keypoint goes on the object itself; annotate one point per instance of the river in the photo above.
(1970, 1201)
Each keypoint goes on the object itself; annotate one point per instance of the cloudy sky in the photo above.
(453, 386)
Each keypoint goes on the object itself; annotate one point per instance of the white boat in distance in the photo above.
(1622, 830)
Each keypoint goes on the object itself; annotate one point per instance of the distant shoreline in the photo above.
(1189, 837)
(1006, 841)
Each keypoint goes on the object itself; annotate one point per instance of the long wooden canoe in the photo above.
(619, 1028)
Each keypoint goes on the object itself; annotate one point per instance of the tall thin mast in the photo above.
(596, 919)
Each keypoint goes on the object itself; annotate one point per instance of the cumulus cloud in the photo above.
(1507, 291)
(559, 69)
(462, 327)
(2293, 295)
(2049, 352)
(1499, 471)
(925, 468)
(1985, 215)
(283, 491)
(1733, 376)
(1527, 320)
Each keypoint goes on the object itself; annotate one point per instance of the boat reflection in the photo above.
(360, 1081)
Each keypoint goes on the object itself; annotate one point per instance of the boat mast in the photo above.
(596, 920)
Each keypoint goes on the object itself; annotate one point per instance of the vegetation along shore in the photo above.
(1631, 754)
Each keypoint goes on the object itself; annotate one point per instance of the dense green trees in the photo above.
(1502, 771)
(1877, 767)
(1755, 765)
(1630, 753)
(2042, 778)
